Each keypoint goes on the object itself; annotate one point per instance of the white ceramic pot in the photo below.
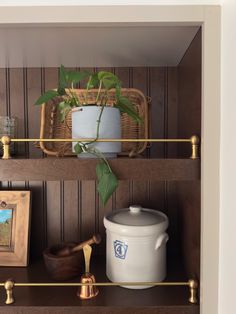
(84, 125)
(136, 245)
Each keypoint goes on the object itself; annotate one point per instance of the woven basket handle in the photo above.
(66, 123)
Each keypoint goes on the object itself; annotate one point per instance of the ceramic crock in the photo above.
(84, 125)
(136, 245)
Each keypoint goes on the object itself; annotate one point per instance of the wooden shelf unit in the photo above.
(66, 206)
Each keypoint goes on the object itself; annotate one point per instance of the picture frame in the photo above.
(15, 208)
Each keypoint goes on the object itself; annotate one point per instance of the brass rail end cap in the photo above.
(193, 283)
(194, 140)
(6, 140)
(9, 284)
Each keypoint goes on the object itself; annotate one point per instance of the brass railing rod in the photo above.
(194, 140)
(101, 284)
(101, 140)
(9, 285)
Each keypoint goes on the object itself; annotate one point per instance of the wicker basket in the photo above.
(53, 128)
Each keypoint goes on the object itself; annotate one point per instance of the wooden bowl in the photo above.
(62, 268)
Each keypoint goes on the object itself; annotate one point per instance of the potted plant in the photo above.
(97, 120)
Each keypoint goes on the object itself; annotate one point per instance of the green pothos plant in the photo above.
(103, 81)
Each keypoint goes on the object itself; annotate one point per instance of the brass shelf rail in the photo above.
(193, 140)
(9, 285)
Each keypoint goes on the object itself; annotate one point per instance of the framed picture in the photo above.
(14, 227)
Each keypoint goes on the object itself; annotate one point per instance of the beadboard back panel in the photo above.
(70, 210)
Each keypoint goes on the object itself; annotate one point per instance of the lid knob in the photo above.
(135, 209)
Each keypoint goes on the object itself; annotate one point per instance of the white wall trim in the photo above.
(210, 147)
(101, 14)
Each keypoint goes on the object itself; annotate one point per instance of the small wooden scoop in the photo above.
(66, 251)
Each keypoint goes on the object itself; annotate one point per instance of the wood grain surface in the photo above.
(54, 169)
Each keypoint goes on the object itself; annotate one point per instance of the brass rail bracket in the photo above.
(192, 284)
(9, 285)
(195, 147)
(6, 141)
(193, 287)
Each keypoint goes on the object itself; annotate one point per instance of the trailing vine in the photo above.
(107, 181)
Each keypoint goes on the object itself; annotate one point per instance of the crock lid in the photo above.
(135, 215)
(136, 221)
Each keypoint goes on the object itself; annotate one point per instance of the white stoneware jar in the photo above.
(84, 125)
(136, 245)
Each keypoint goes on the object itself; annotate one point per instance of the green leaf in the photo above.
(50, 94)
(109, 83)
(78, 149)
(118, 91)
(64, 108)
(107, 181)
(126, 106)
(62, 78)
(107, 74)
(101, 168)
(76, 77)
(108, 79)
(61, 91)
(94, 81)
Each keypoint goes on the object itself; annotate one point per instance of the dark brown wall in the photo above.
(189, 123)
(70, 210)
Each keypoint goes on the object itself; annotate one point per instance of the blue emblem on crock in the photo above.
(120, 249)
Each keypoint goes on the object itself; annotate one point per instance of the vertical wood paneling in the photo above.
(171, 131)
(38, 223)
(89, 214)
(157, 92)
(172, 110)
(157, 195)
(3, 106)
(3, 93)
(71, 210)
(17, 106)
(172, 205)
(140, 188)
(88, 201)
(38, 217)
(54, 198)
(54, 232)
(123, 74)
(157, 118)
(34, 88)
(122, 195)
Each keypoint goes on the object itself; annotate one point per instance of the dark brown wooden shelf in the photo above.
(161, 300)
(53, 169)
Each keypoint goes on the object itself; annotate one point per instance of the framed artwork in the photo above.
(14, 227)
